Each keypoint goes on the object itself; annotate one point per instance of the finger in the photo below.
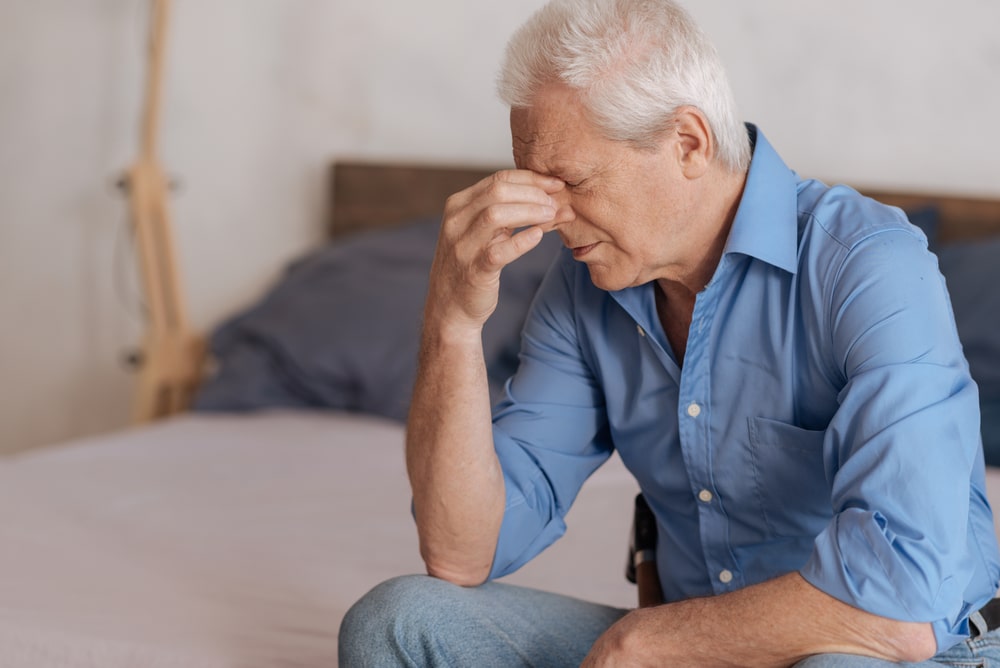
(509, 216)
(505, 249)
(564, 214)
(526, 176)
(495, 224)
(507, 182)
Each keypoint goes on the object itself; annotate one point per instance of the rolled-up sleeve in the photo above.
(550, 429)
(902, 445)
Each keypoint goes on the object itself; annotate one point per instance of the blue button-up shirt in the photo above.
(824, 420)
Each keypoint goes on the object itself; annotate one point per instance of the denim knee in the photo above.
(389, 623)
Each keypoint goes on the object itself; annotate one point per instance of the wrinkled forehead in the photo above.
(540, 149)
(553, 129)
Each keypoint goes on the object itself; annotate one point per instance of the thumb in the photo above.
(527, 239)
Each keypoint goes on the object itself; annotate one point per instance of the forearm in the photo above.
(776, 623)
(458, 488)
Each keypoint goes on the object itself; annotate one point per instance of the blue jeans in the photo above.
(421, 621)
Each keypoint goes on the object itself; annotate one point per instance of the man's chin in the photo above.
(604, 279)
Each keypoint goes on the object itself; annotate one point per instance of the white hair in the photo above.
(633, 63)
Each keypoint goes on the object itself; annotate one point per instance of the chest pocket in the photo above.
(790, 478)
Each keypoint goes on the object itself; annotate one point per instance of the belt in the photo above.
(986, 620)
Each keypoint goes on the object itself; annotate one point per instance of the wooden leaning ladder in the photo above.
(172, 357)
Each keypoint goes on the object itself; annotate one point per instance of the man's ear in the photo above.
(695, 147)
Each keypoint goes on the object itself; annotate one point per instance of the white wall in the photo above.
(262, 94)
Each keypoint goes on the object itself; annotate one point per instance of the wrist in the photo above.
(451, 331)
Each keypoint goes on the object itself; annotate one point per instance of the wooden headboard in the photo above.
(366, 195)
(371, 194)
(962, 218)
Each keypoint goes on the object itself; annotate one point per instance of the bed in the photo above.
(238, 534)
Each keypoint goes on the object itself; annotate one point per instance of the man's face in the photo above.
(623, 207)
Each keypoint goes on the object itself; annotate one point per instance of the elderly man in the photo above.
(775, 361)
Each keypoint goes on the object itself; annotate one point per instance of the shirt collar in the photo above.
(766, 222)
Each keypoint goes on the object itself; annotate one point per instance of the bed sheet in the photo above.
(216, 540)
(213, 540)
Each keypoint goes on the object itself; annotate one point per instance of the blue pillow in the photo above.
(972, 273)
(341, 328)
(990, 410)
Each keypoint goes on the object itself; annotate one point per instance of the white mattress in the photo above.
(238, 541)
(235, 541)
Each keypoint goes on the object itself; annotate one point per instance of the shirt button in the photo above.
(694, 410)
(705, 496)
(725, 577)
(642, 332)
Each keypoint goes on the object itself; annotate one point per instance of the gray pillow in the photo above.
(928, 219)
(341, 328)
(972, 272)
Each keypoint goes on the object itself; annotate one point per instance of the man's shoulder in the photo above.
(845, 216)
